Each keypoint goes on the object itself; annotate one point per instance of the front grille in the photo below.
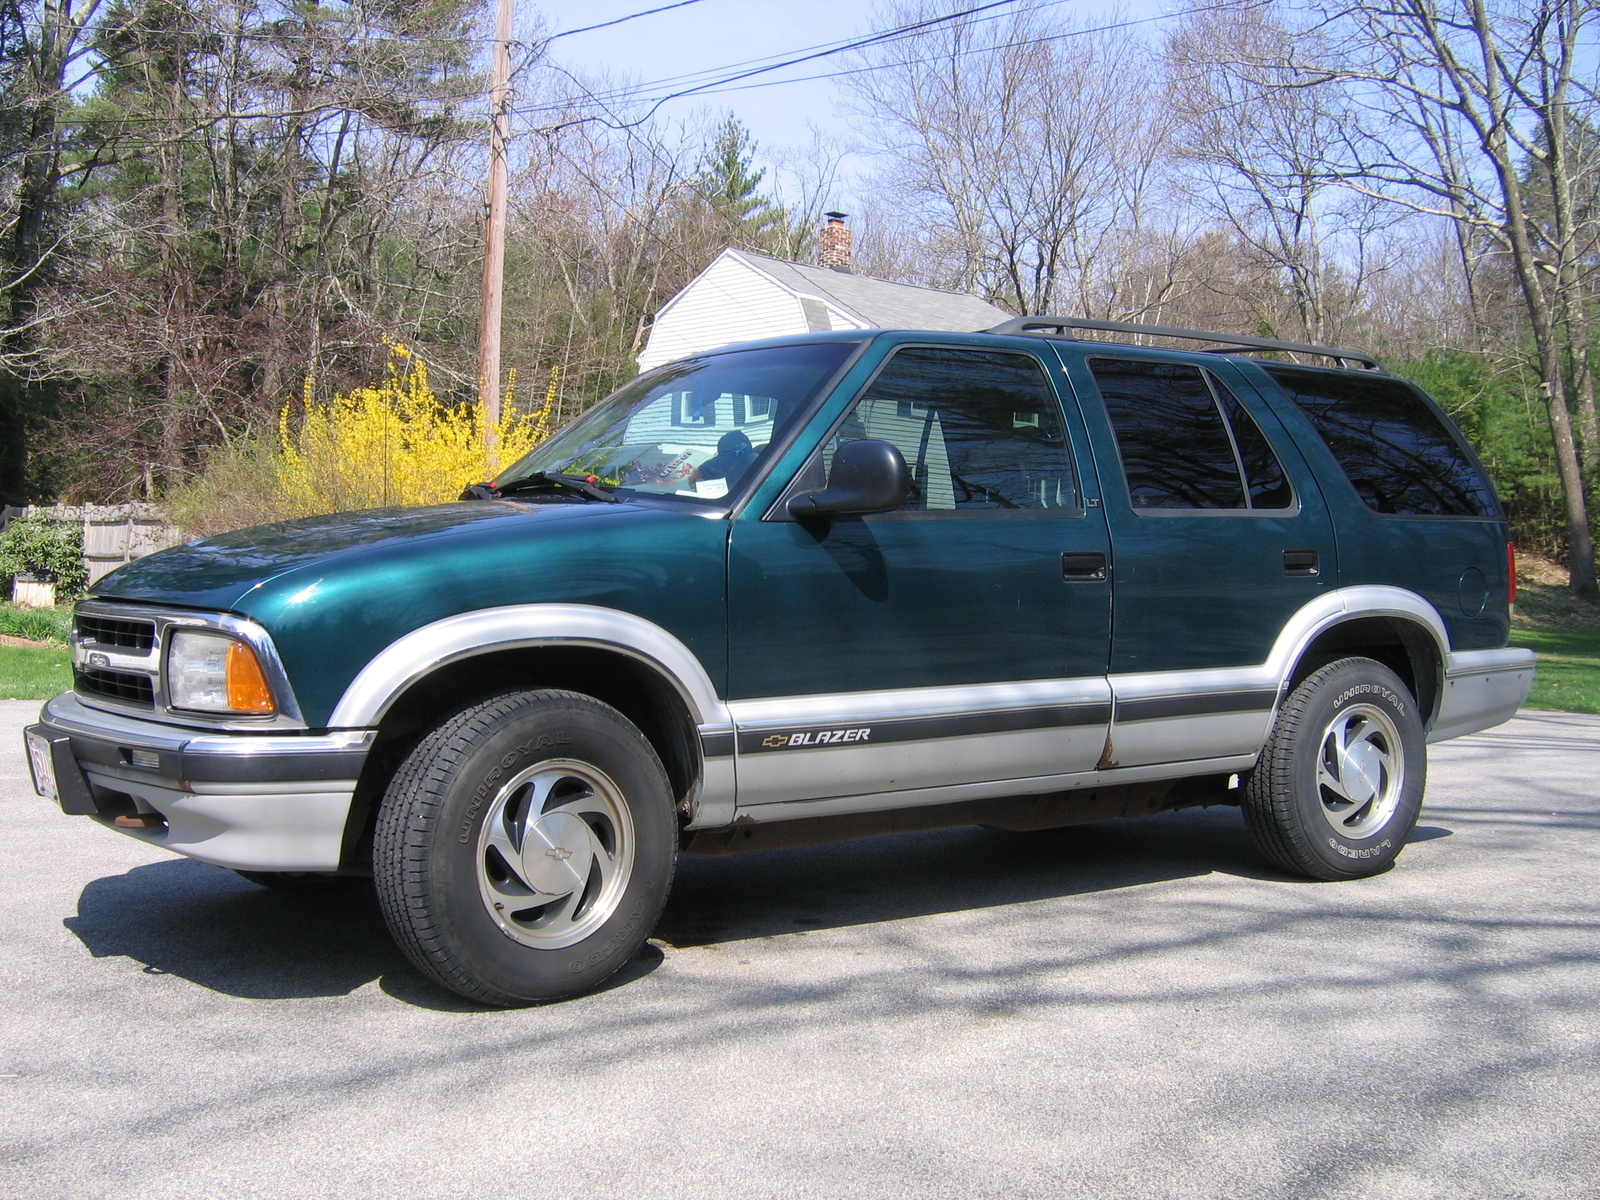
(116, 685)
(138, 636)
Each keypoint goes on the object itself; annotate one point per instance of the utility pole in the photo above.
(494, 251)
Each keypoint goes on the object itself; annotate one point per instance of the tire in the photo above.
(470, 904)
(1338, 788)
(305, 883)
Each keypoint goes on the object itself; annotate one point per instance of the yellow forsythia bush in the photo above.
(393, 443)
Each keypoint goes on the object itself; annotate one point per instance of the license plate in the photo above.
(43, 766)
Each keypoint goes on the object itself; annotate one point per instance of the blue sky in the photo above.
(713, 33)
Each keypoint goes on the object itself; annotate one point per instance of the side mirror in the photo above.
(867, 476)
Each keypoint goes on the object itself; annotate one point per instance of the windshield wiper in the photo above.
(586, 486)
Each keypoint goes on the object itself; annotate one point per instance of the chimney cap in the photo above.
(836, 216)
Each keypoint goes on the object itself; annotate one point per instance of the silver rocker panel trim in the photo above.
(802, 748)
(1242, 725)
(792, 810)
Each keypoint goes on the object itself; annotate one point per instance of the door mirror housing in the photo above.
(867, 476)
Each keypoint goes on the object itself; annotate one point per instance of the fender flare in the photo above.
(422, 651)
(1355, 603)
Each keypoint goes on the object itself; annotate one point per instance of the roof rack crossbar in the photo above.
(1230, 343)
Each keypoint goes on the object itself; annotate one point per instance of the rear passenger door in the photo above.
(1219, 536)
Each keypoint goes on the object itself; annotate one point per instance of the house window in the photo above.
(693, 410)
(751, 410)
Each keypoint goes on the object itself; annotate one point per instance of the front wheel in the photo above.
(1339, 785)
(524, 849)
(305, 883)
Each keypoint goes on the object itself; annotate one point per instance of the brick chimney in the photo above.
(833, 243)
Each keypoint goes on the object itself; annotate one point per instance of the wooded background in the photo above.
(215, 209)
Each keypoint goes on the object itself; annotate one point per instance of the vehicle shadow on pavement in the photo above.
(895, 876)
(207, 925)
(212, 928)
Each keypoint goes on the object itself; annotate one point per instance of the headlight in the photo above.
(211, 672)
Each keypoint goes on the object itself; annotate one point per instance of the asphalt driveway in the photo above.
(1138, 1009)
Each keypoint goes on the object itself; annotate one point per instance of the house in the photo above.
(743, 296)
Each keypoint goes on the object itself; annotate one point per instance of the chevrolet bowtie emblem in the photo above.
(558, 853)
(777, 739)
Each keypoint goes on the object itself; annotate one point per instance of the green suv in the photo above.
(809, 589)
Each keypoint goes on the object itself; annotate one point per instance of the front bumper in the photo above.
(258, 802)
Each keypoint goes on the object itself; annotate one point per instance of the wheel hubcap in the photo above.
(1360, 771)
(555, 853)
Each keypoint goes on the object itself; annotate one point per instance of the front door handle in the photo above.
(1083, 566)
(1300, 562)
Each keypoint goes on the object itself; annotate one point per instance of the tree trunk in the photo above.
(21, 271)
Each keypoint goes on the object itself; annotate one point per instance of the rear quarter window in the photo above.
(1400, 455)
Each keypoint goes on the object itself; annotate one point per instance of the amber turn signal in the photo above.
(247, 686)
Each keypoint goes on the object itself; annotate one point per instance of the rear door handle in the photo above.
(1083, 566)
(1300, 562)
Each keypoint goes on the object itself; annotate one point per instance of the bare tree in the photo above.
(1263, 149)
(1467, 110)
(246, 167)
(1025, 148)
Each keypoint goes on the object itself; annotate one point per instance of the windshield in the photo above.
(694, 428)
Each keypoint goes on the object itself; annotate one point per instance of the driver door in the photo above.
(959, 640)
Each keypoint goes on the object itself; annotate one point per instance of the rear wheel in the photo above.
(524, 849)
(1338, 788)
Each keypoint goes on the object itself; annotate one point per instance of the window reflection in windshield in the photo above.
(695, 428)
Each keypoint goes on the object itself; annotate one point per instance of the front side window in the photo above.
(1185, 440)
(696, 429)
(1400, 457)
(980, 430)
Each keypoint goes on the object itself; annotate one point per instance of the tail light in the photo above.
(1511, 573)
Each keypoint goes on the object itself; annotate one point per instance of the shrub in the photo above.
(1504, 418)
(238, 488)
(391, 443)
(37, 624)
(41, 545)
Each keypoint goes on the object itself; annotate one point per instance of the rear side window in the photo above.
(1185, 441)
(1398, 454)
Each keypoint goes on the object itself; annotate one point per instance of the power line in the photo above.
(649, 12)
(715, 86)
(856, 44)
(1036, 41)
(715, 75)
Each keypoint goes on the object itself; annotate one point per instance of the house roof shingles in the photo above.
(879, 304)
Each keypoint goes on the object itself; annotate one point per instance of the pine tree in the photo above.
(731, 184)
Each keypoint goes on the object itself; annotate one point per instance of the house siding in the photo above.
(729, 302)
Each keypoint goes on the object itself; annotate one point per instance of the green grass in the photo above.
(1565, 633)
(1568, 676)
(36, 624)
(29, 674)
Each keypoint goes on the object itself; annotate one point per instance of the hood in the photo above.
(334, 591)
(221, 572)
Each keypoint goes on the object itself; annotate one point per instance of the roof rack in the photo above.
(1230, 343)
